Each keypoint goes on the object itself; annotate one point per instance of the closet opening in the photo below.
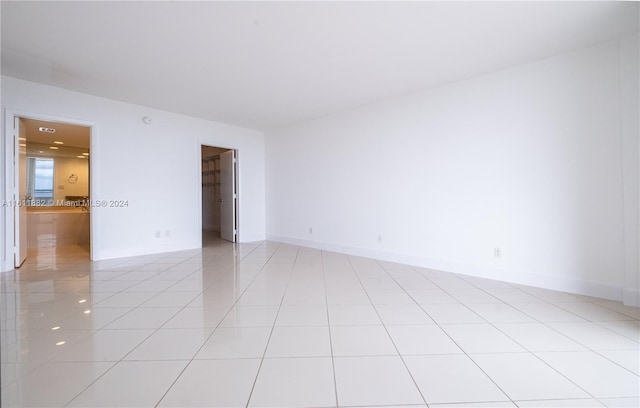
(219, 194)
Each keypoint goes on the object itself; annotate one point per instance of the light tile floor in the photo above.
(273, 325)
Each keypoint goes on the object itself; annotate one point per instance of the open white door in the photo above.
(227, 196)
(20, 195)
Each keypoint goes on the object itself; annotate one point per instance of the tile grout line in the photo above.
(93, 332)
(138, 345)
(123, 357)
(266, 346)
(404, 363)
(555, 330)
(216, 327)
(519, 344)
(326, 300)
(527, 351)
(440, 327)
(396, 277)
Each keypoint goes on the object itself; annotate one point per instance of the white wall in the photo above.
(527, 159)
(155, 167)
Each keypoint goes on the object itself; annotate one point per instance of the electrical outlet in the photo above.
(497, 252)
(379, 239)
(310, 230)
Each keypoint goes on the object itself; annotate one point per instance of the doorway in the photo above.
(52, 185)
(219, 194)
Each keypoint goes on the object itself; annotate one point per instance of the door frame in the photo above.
(236, 181)
(11, 174)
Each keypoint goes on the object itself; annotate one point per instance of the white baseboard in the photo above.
(252, 237)
(560, 283)
(104, 254)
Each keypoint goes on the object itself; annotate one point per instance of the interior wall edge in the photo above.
(628, 54)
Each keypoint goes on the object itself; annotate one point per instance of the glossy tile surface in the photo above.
(268, 324)
(452, 379)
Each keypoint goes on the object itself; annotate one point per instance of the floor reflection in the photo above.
(269, 324)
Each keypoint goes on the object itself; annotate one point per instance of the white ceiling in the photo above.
(265, 64)
(69, 135)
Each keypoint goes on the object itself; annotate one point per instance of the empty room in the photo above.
(320, 204)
